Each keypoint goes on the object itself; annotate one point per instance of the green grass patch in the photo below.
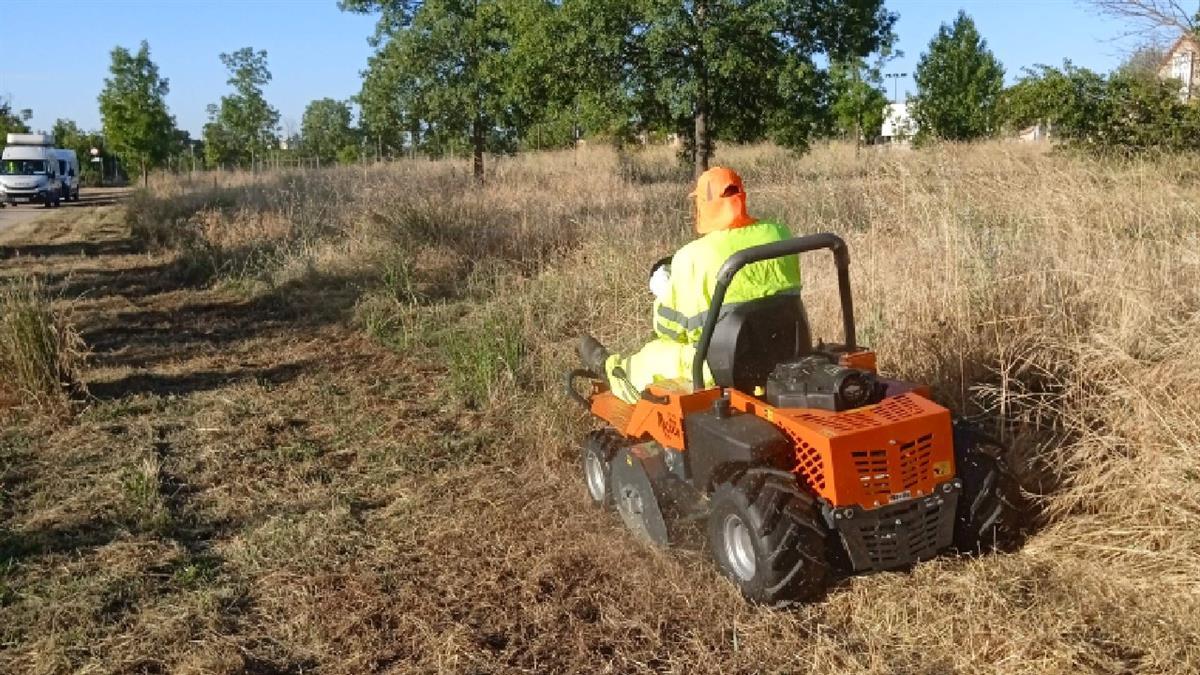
(483, 355)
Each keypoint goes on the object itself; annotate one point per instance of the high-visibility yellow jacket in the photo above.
(679, 315)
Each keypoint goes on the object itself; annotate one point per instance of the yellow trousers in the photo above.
(660, 359)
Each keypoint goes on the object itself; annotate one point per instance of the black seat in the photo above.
(754, 337)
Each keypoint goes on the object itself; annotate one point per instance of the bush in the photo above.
(1122, 114)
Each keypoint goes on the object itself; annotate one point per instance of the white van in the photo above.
(29, 170)
(68, 171)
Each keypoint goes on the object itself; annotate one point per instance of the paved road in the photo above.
(15, 215)
(11, 216)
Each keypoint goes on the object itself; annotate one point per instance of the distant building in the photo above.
(1035, 134)
(898, 124)
(1182, 63)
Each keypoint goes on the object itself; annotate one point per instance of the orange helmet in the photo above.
(720, 201)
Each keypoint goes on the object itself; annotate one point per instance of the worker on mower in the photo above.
(683, 288)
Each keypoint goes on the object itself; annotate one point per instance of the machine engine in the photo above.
(817, 381)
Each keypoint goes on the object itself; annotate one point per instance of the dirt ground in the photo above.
(194, 395)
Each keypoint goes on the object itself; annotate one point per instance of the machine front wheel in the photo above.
(766, 537)
(636, 500)
(990, 506)
(596, 461)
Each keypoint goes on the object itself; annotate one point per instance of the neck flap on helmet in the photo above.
(720, 201)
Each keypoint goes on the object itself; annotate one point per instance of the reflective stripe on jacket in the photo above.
(680, 315)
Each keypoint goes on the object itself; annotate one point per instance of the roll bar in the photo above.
(812, 242)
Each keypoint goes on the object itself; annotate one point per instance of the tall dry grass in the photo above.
(40, 352)
(1052, 297)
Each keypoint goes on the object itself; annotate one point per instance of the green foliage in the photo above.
(133, 109)
(958, 85)
(1144, 61)
(67, 134)
(858, 102)
(484, 356)
(243, 126)
(575, 70)
(486, 74)
(388, 105)
(451, 61)
(10, 121)
(1124, 114)
(742, 70)
(325, 130)
(349, 154)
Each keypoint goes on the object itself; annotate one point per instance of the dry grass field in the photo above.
(324, 431)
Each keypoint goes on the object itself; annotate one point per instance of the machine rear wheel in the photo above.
(766, 537)
(990, 506)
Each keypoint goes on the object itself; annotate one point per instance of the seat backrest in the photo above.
(754, 337)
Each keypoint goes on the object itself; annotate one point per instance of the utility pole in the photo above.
(895, 78)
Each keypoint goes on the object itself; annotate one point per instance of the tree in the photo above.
(451, 60)
(742, 69)
(958, 84)
(1156, 17)
(1144, 61)
(389, 104)
(133, 110)
(243, 126)
(325, 129)
(67, 134)
(858, 101)
(491, 70)
(10, 121)
(579, 70)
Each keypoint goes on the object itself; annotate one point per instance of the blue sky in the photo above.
(316, 51)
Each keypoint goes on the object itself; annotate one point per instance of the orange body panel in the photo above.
(611, 409)
(897, 449)
(862, 360)
(664, 421)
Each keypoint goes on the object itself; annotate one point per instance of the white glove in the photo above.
(660, 283)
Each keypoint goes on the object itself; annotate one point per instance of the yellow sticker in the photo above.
(941, 469)
(770, 414)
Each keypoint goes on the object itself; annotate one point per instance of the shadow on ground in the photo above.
(190, 383)
(91, 534)
(72, 249)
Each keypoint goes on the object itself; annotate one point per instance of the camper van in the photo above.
(68, 172)
(29, 170)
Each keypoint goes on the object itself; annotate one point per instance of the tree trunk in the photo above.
(702, 146)
(145, 175)
(477, 145)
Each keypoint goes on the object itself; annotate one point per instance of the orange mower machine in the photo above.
(802, 459)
